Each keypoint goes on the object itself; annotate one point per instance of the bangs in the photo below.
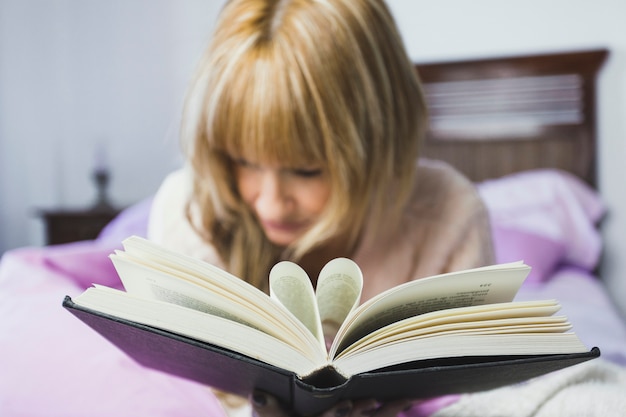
(264, 112)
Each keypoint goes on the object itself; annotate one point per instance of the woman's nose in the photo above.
(273, 199)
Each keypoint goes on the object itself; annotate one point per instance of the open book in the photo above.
(175, 309)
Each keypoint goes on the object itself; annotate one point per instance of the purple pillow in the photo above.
(543, 254)
(133, 220)
(552, 205)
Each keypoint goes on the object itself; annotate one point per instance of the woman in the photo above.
(301, 131)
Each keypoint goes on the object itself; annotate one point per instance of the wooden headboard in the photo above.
(492, 117)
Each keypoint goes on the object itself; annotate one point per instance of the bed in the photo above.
(523, 128)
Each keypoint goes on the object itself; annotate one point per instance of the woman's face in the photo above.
(287, 200)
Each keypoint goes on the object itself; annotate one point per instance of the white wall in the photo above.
(76, 73)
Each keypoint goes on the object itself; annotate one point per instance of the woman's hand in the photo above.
(264, 405)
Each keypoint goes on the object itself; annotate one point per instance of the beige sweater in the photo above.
(445, 227)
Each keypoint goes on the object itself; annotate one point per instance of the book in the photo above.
(450, 333)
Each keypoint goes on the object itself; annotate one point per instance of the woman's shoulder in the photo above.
(443, 194)
(178, 182)
(436, 178)
(169, 223)
(433, 171)
(168, 206)
(170, 200)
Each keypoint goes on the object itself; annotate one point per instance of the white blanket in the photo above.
(595, 388)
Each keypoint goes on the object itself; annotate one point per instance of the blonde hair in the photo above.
(302, 81)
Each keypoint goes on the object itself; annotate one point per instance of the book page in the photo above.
(524, 316)
(324, 309)
(152, 272)
(176, 288)
(292, 288)
(150, 254)
(486, 285)
(460, 345)
(338, 293)
(203, 327)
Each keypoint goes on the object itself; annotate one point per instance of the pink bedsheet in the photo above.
(53, 365)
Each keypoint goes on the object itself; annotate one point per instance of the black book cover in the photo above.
(239, 374)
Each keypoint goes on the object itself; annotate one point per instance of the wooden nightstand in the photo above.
(65, 225)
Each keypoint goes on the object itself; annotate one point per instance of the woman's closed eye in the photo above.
(307, 173)
(244, 163)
